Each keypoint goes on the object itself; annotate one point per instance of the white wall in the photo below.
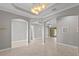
(5, 28)
(5, 40)
(37, 31)
(78, 32)
(52, 22)
(68, 30)
(19, 30)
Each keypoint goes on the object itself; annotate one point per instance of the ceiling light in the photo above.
(43, 6)
(37, 9)
(35, 12)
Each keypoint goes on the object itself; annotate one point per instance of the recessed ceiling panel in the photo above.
(26, 7)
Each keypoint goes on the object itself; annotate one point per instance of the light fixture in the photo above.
(35, 12)
(43, 6)
(38, 8)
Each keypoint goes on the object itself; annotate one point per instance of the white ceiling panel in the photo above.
(24, 9)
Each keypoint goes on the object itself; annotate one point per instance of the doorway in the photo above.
(18, 33)
(53, 32)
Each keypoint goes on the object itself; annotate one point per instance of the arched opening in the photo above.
(18, 33)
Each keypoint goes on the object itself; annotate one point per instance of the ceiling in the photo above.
(24, 9)
(27, 7)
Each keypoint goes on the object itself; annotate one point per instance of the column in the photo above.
(28, 32)
(43, 33)
(32, 29)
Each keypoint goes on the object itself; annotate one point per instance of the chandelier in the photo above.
(38, 8)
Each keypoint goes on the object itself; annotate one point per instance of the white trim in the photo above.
(78, 25)
(18, 41)
(72, 46)
(5, 49)
(26, 40)
(47, 17)
(32, 30)
(18, 46)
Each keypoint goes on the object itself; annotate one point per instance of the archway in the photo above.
(18, 33)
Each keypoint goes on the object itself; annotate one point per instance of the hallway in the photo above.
(36, 48)
(29, 29)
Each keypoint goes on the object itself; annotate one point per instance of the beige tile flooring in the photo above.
(36, 48)
(18, 43)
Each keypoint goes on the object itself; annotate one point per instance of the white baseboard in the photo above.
(72, 46)
(5, 49)
(19, 41)
(37, 38)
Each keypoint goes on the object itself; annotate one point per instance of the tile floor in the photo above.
(36, 48)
